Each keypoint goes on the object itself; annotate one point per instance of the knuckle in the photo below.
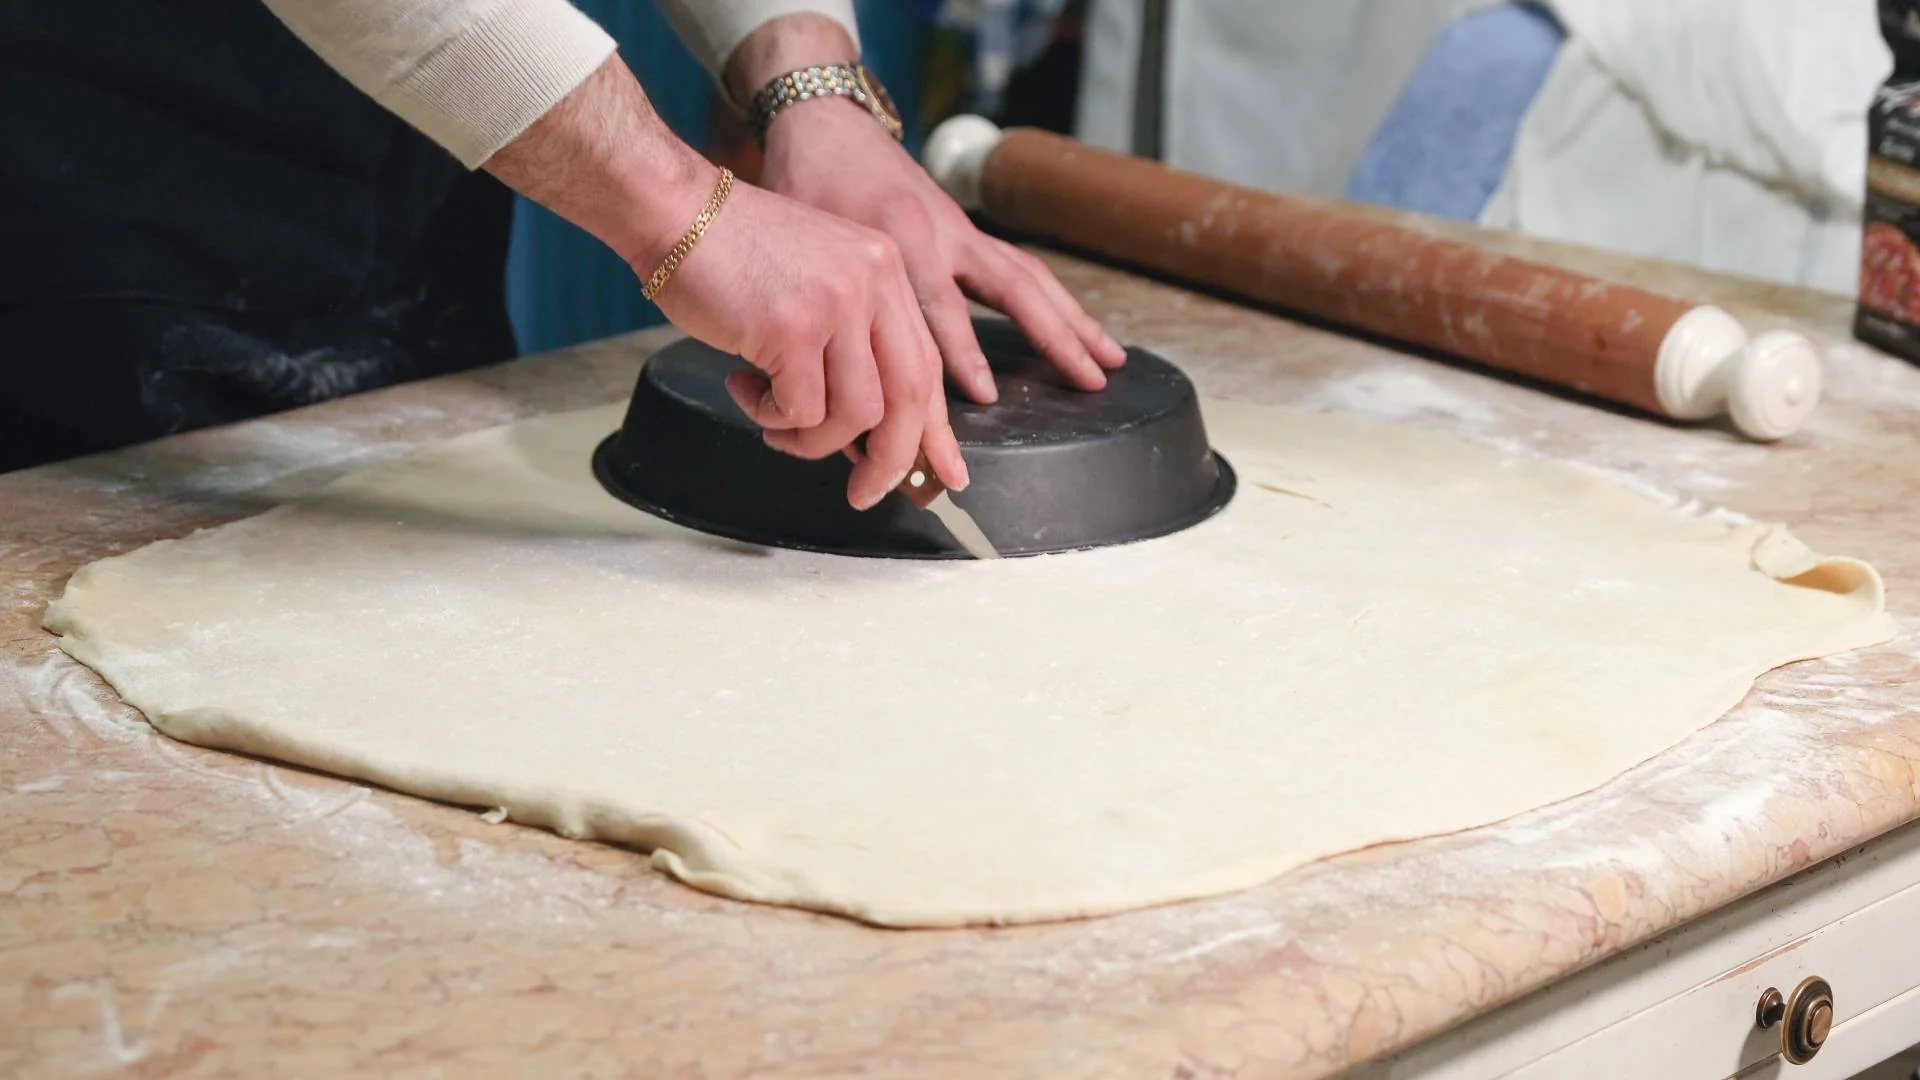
(808, 412)
(1013, 278)
(878, 252)
(788, 320)
(817, 443)
(915, 386)
(926, 377)
(944, 311)
(866, 411)
(1057, 339)
(838, 292)
(1031, 268)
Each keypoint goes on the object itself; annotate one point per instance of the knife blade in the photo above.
(925, 490)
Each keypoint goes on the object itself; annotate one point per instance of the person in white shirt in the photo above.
(842, 280)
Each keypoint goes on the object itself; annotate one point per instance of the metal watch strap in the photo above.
(830, 80)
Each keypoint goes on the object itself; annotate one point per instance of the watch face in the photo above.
(882, 102)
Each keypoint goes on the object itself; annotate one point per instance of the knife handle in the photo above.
(920, 487)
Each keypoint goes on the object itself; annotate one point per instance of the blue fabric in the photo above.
(1445, 143)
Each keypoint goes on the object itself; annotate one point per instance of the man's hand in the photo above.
(822, 308)
(819, 305)
(830, 154)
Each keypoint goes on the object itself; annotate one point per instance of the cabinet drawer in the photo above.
(1681, 1006)
(1871, 957)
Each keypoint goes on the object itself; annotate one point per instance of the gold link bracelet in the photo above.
(668, 265)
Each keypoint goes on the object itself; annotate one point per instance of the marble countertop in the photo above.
(167, 910)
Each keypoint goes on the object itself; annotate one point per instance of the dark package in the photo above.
(1889, 312)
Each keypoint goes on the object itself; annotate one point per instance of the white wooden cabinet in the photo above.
(1681, 1007)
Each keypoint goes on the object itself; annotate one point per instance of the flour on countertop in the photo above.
(1866, 376)
(1399, 393)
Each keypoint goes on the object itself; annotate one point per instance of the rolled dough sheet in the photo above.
(1386, 635)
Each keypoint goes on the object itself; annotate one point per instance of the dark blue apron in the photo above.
(200, 221)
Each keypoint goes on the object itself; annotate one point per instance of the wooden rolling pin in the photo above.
(1352, 269)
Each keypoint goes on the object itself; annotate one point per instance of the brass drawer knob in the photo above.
(1805, 1018)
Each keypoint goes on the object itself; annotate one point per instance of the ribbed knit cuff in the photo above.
(712, 29)
(481, 89)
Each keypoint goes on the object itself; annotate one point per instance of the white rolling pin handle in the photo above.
(956, 153)
(1776, 386)
(1708, 366)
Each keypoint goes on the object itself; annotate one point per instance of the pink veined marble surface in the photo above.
(172, 911)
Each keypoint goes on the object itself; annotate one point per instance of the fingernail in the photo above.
(1111, 343)
(865, 502)
(966, 478)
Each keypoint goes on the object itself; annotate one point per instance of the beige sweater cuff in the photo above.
(714, 28)
(470, 74)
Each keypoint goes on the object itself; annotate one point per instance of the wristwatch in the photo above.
(854, 80)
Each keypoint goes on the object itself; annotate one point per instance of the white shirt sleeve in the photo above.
(714, 28)
(469, 74)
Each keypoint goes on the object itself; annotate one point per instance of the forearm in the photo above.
(604, 160)
(788, 44)
(470, 74)
(715, 29)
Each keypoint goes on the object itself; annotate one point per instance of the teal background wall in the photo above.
(563, 287)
